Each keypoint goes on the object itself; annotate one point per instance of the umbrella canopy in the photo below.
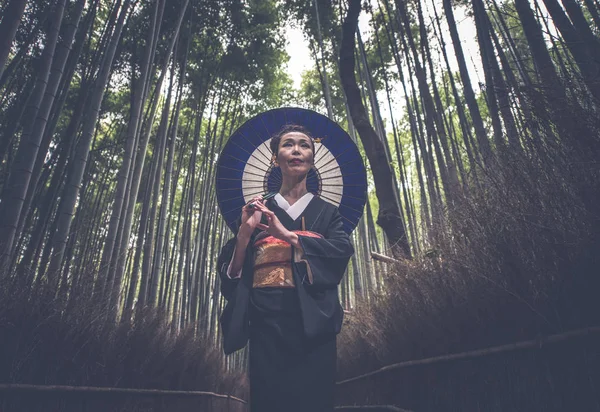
(244, 168)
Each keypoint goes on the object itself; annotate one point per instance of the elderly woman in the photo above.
(280, 276)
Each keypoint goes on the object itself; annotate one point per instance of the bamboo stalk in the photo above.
(383, 258)
(480, 352)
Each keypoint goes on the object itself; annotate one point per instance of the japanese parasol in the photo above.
(244, 168)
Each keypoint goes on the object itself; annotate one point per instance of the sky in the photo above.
(297, 48)
(300, 58)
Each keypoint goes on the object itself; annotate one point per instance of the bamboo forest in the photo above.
(475, 275)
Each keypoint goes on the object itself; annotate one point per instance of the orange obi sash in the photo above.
(273, 261)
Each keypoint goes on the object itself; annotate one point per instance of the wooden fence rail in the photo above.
(127, 391)
(534, 343)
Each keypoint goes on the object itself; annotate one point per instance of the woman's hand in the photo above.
(251, 217)
(275, 228)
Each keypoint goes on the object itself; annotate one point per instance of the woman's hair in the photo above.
(290, 128)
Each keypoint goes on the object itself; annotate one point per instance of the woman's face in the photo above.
(295, 154)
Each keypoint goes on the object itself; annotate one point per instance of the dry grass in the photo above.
(42, 344)
(515, 260)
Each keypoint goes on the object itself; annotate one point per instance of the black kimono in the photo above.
(292, 331)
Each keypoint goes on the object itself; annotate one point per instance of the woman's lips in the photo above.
(296, 161)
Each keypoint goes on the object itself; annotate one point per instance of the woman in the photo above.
(280, 276)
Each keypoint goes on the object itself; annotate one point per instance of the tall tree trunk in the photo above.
(14, 116)
(522, 108)
(170, 253)
(464, 124)
(139, 163)
(390, 217)
(561, 109)
(414, 128)
(75, 177)
(429, 117)
(38, 133)
(145, 240)
(579, 48)
(487, 54)
(48, 199)
(326, 88)
(580, 23)
(480, 133)
(111, 244)
(179, 291)
(421, 148)
(16, 187)
(408, 206)
(446, 162)
(507, 37)
(594, 12)
(8, 28)
(164, 204)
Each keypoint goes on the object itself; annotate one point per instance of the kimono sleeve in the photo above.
(227, 284)
(234, 319)
(326, 258)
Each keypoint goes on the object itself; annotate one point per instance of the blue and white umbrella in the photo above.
(244, 169)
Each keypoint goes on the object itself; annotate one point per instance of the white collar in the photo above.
(297, 208)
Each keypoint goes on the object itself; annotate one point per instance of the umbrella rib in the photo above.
(246, 171)
(237, 180)
(259, 148)
(348, 220)
(339, 166)
(339, 175)
(330, 170)
(262, 120)
(326, 119)
(239, 197)
(263, 142)
(244, 188)
(352, 208)
(243, 161)
(332, 177)
(333, 159)
(319, 149)
(331, 200)
(342, 185)
(256, 193)
(259, 160)
(335, 193)
(253, 145)
(230, 168)
(329, 191)
(233, 142)
(327, 198)
(336, 156)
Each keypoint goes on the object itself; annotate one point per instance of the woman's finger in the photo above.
(255, 200)
(250, 210)
(266, 211)
(262, 226)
